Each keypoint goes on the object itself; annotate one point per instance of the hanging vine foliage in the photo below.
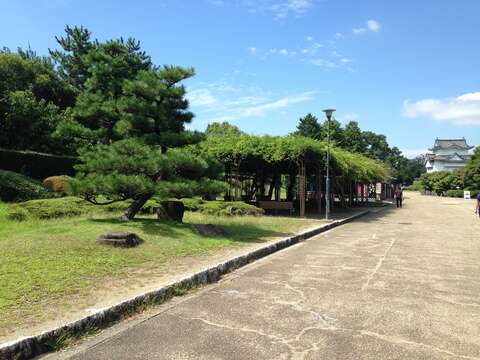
(283, 153)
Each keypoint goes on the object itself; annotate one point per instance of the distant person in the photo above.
(398, 196)
(477, 209)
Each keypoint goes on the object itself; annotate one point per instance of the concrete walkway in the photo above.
(400, 284)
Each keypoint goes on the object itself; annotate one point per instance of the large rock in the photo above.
(120, 239)
(171, 210)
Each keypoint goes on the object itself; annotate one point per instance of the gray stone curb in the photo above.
(30, 347)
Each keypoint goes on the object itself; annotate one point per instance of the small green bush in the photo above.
(192, 204)
(229, 208)
(17, 187)
(416, 186)
(49, 208)
(454, 193)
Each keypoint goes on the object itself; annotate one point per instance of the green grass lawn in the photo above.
(44, 263)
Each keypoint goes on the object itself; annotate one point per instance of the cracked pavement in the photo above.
(399, 284)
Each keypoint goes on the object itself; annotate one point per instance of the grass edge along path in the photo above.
(70, 333)
(46, 265)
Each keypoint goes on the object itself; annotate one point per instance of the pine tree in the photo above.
(308, 126)
(130, 170)
(72, 62)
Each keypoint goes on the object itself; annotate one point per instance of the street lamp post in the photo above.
(328, 113)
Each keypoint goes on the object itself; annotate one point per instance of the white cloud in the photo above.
(313, 49)
(309, 38)
(280, 9)
(370, 25)
(261, 110)
(285, 8)
(225, 102)
(461, 110)
(252, 50)
(373, 25)
(201, 97)
(283, 52)
(323, 63)
(470, 97)
(359, 30)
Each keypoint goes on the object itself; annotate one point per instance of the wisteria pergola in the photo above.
(253, 162)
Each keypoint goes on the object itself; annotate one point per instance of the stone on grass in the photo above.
(209, 230)
(171, 210)
(120, 239)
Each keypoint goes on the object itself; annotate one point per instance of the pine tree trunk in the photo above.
(135, 207)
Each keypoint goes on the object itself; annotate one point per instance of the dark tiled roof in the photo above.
(447, 158)
(451, 144)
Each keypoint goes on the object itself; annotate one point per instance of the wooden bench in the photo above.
(276, 205)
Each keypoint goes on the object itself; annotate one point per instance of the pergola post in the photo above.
(301, 186)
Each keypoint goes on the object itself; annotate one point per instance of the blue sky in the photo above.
(408, 69)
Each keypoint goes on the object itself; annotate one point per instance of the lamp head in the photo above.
(329, 113)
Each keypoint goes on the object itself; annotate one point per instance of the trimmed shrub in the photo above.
(416, 186)
(67, 206)
(222, 208)
(454, 193)
(17, 187)
(36, 165)
(58, 184)
(192, 204)
(49, 208)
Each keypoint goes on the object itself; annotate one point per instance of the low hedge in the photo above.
(454, 193)
(416, 186)
(459, 193)
(36, 165)
(49, 208)
(17, 187)
(192, 204)
(221, 208)
(66, 207)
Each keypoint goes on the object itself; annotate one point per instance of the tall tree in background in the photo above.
(337, 136)
(309, 126)
(73, 65)
(354, 141)
(377, 146)
(32, 101)
(223, 129)
(471, 175)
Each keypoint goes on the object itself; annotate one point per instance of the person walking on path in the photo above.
(477, 209)
(399, 196)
